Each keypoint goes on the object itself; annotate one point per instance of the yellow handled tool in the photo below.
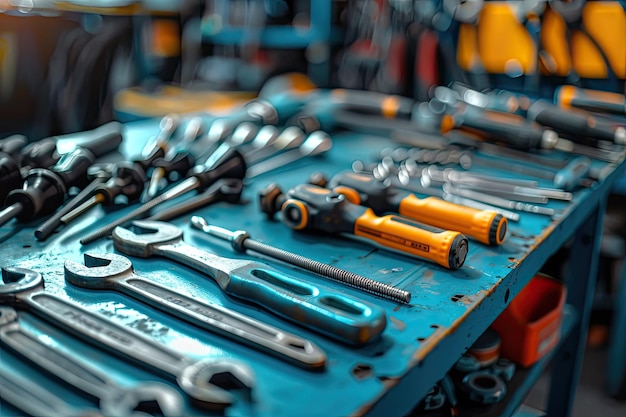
(486, 226)
(309, 207)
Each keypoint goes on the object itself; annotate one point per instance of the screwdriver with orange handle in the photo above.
(486, 226)
(568, 96)
(314, 208)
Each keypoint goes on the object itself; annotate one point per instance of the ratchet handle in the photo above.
(485, 226)
(328, 312)
(444, 247)
(568, 96)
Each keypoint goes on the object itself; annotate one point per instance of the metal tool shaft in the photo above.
(241, 241)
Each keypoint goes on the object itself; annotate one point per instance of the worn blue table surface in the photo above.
(448, 311)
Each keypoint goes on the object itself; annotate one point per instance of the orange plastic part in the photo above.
(503, 42)
(531, 325)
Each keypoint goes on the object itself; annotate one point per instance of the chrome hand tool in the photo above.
(34, 400)
(112, 272)
(114, 400)
(241, 242)
(24, 288)
(323, 310)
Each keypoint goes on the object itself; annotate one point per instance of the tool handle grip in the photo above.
(103, 139)
(485, 226)
(511, 129)
(574, 123)
(444, 247)
(569, 177)
(569, 96)
(13, 144)
(326, 311)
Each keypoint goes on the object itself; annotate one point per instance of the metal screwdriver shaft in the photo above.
(241, 242)
(231, 165)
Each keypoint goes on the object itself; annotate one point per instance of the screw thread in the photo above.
(349, 278)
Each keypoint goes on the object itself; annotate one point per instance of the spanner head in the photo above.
(143, 400)
(17, 280)
(149, 234)
(207, 382)
(97, 270)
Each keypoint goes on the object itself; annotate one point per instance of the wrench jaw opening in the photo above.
(144, 235)
(99, 270)
(17, 280)
(208, 382)
(146, 399)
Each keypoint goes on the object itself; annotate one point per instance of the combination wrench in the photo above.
(24, 288)
(114, 400)
(322, 310)
(115, 272)
(34, 400)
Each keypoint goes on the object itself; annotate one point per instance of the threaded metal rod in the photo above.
(360, 282)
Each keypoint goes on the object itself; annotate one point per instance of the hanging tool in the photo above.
(231, 165)
(127, 180)
(568, 96)
(44, 190)
(487, 227)
(319, 309)
(241, 242)
(24, 288)
(309, 207)
(114, 272)
(147, 398)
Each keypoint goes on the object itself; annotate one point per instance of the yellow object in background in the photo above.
(500, 43)
(171, 99)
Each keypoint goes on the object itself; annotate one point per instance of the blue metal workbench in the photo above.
(387, 377)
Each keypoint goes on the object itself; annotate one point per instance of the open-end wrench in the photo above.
(34, 400)
(23, 288)
(323, 310)
(115, 272)
(114, 400)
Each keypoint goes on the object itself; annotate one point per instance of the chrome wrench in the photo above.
(115, 272)
(34, 400)
(323, 310)
(23, 288)
(114, 400)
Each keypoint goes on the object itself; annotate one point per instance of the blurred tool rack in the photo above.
(317, 32)
(449, 310)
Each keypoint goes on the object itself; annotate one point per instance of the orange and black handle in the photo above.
(568, 96)
(310, 207)
(486, 226)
